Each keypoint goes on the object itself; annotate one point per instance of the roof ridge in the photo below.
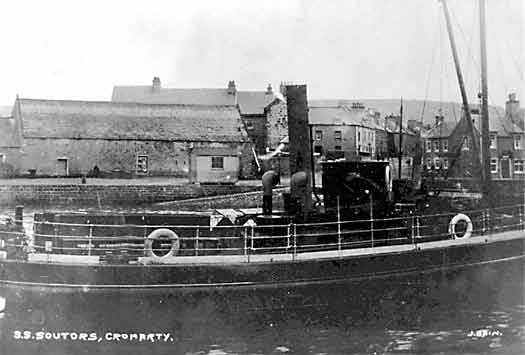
(116, 103)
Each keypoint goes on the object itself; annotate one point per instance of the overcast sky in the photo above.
(340, 49)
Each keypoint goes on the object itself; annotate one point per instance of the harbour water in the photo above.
(478, 311)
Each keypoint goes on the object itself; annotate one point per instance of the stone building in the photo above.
(10, 144)
(61, 138)
(251, 104)
(445, 140)
(438, 147)
(342, 132)
(507, 142)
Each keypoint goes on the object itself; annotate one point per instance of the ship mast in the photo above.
(466, 108)
(485, 141)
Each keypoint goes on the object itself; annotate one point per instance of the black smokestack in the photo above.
(300, 151)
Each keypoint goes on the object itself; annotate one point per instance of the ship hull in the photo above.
(374, 263)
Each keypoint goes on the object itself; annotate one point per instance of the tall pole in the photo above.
(466, 109)
(400, 139)
(485, 141)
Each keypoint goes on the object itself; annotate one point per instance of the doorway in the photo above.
(505, 168)
(62, 167)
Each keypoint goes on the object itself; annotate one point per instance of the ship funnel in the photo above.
(269, 180)
(300, 150)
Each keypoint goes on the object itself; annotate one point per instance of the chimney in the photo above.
(269, 89)
(155, 86)
(232, 90)
(512, 110)
(393, 120)
(282, 88)
(413, 125)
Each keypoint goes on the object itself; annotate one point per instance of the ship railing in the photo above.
(291, 238)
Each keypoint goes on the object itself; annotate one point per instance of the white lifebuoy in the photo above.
(162, 233)
(452, 226)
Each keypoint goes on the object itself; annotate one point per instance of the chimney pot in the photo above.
(232, 90)
(156, 85)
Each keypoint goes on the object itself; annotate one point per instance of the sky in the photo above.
(342, 49)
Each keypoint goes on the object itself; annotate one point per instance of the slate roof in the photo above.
(250, 102)
(8, 133)
(108, 120)
(503, 125)
(254, 102)
(442, 130)
(145, 94)
(341, 115)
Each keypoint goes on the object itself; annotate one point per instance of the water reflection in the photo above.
(427, 314)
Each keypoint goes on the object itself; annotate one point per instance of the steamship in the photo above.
(358, 227)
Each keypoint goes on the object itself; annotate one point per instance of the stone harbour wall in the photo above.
(110, 195)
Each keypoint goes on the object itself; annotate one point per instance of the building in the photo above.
(507, 141)
(448, 148)
(251, 104)
(445, 143)
(63, 138)
(10, 144)
(342, 131)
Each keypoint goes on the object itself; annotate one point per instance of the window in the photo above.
(217, 163)
(437, 163)
(338, 147)
(436, 146)
(337, 135)
(445, 163)
(493, 141)
(517, 142)
(519, 166)
(429, 163)
(2, 158)
(445, 145)
(249, 125)
(318, 135)
(318, 149)
(493, 165)
(466, 144)
(429, 146)
(142, 164)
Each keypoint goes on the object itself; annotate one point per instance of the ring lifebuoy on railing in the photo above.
(460, 217)
(159, 234)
